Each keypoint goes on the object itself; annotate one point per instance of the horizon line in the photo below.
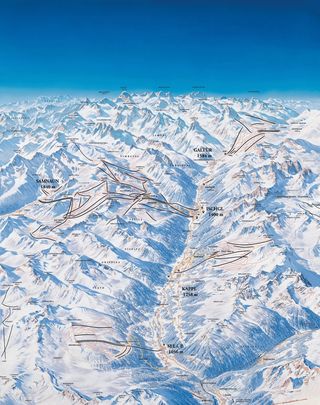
(13, 94)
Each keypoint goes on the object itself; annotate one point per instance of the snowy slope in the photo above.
(159, 249)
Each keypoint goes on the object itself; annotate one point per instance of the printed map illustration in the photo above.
(159, 249)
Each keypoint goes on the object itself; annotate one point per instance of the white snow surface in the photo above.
(159, 249)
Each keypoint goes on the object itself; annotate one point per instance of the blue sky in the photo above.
(226, 47)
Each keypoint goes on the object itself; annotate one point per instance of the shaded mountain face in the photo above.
(159, 249)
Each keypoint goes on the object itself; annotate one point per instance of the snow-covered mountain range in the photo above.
(159, 249)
